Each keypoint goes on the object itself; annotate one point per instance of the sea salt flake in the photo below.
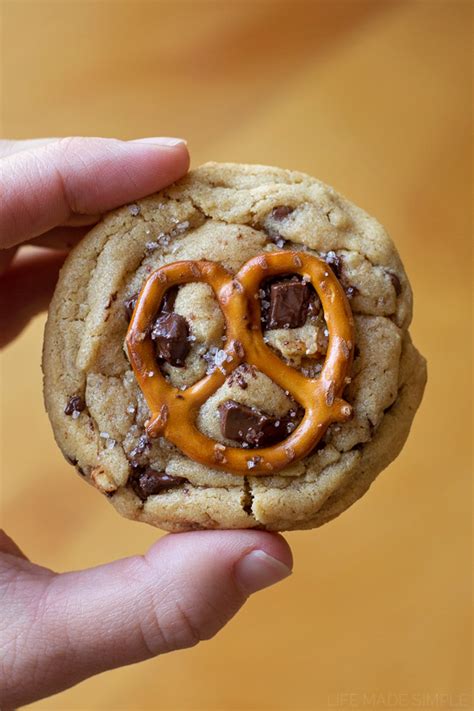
(252, 463)
(220, 357)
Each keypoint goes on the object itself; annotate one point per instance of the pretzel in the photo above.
(174, 411)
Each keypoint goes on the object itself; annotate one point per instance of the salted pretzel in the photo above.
(174, 411)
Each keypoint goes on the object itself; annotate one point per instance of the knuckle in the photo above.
(70, 144)
(189, 633)
(168, 629)
(73, 156)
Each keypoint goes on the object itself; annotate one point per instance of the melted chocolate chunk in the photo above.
(170, 333)
(74, 404)
(289, 301)
(314, 306)
(169, 298)
(280, 212)
(252, 427)
(166, 307)
(147, 482)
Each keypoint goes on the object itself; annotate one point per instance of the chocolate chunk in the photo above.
(146, 482)
(169, 298)
(289, 302)
(75, 404)
(166, 305)
(396, 283)
(280, 212)
(253, 427)
(314, 306)
(170, 333)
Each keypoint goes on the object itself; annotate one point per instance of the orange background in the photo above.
(373, 98)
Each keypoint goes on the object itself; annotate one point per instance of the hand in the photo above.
(59, 629)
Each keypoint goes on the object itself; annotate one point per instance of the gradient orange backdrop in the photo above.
(373, 98)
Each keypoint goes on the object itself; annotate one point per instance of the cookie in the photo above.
(226, 222)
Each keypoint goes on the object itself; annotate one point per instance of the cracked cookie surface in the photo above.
(229, 213)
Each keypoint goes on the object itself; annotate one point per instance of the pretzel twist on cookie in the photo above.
(174, 411)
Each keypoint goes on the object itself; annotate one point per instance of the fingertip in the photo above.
(168, 141)
(252, 559)
(228, 545)
(275, 545)
(258, 570)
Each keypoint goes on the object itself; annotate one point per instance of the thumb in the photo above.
(182, 591)
(53, 183)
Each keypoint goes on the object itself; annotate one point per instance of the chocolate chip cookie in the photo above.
(168, 358)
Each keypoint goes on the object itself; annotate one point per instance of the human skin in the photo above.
(58, 629)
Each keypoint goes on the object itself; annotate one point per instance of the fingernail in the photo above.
(161, 141)
(258, 570)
